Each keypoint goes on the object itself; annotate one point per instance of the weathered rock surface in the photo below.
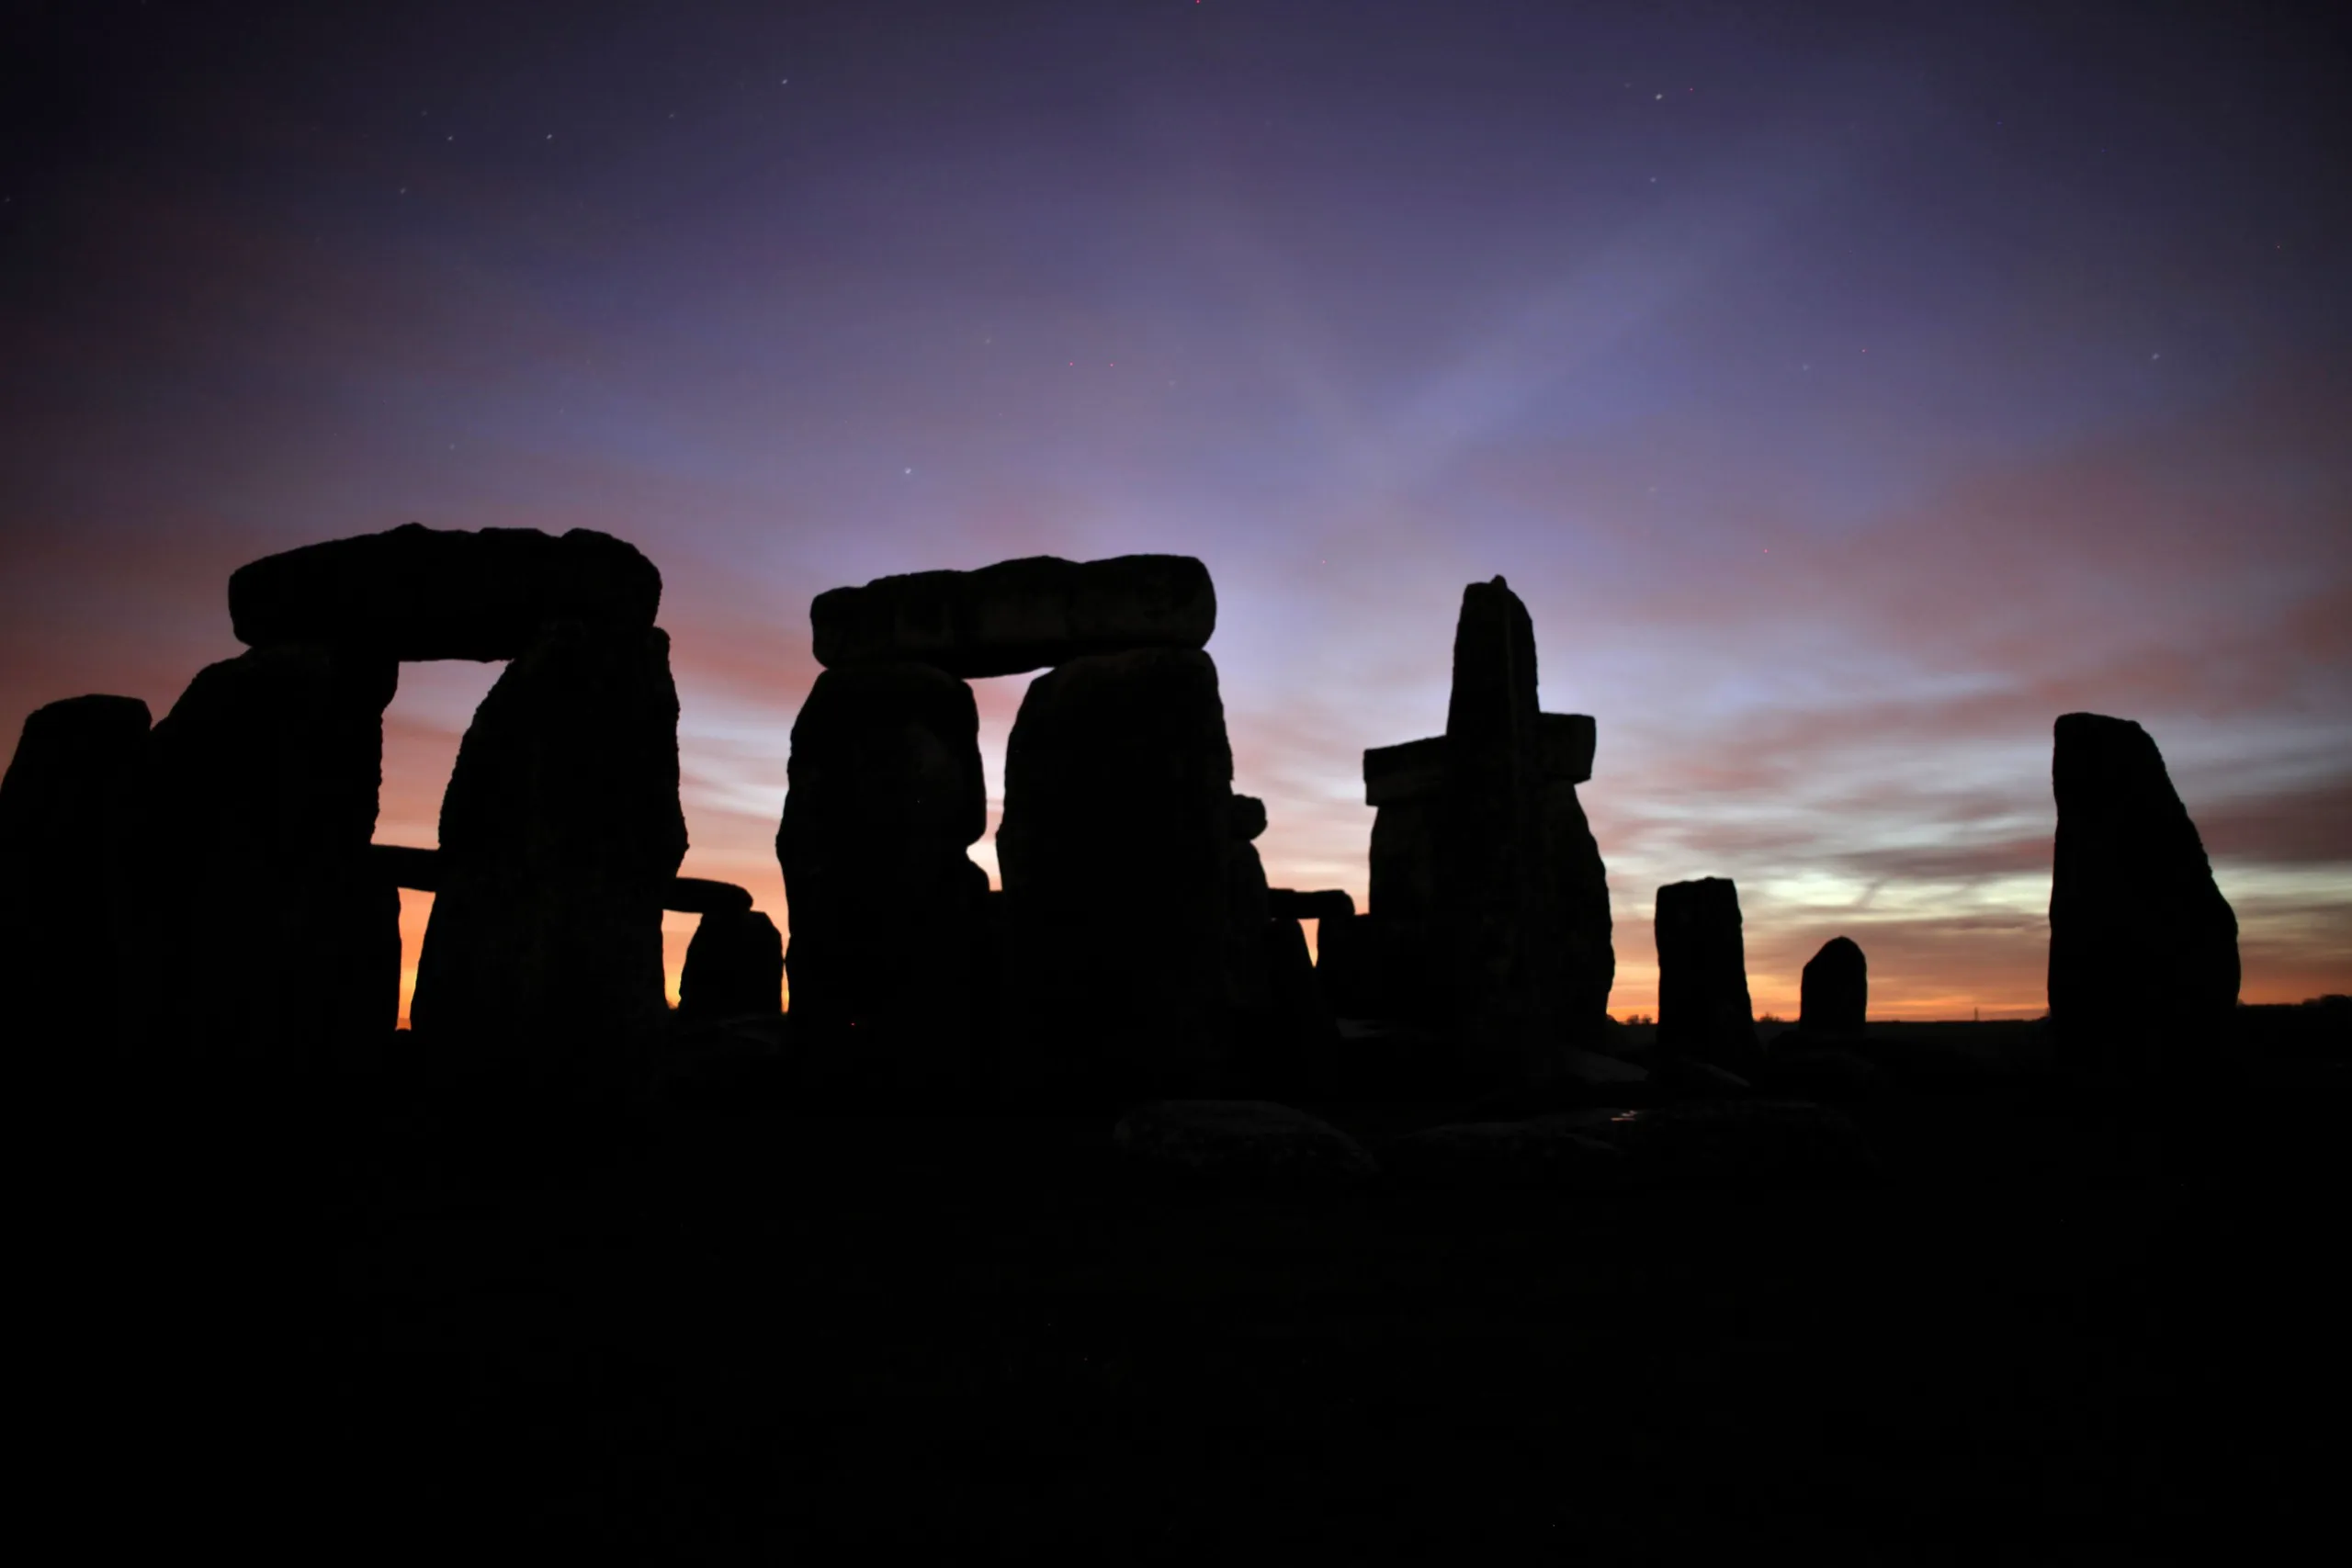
(419, 592)
(1118, 775)
(1246, 1144)
(1702, 1004)
(734, 967)
(65, 805)
(267, 938)
(1833, 993)
(561, 834)
(887, 939)
(2143, 954)
(1017, 616)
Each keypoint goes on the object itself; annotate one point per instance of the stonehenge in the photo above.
(2143, 954)
(208, 885)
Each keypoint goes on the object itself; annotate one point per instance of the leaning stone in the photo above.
(2143, 950)
(1249, 1145)
(1118, 774)
(1017, 616)
(734, 967)
(1834, 991)
(1702, 1006)
(417, 593)
(560, 833)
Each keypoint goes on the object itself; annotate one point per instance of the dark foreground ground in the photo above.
(732, 1332)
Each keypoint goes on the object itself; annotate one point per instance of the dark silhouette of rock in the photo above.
(1118, 775)
(887, 941)
(1248, 818)
(65, 805)
(405, 865)
(1326, 904)
(1702, 1006)
(268, 941)
(1489, 902)
(418, 592)
(1239, 1147)
(1692, 1079)
(734, 966)
(1834, 994)
(560, 833)
(2143, 954)
(701, 895)
(1018, 614)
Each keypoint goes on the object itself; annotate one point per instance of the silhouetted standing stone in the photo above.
(271, 940)
(1017, 614)
(64, 898)
(1834, 992)
(419, 592)
(1489, 902)
(1702, 1006)
(887, 927)
(734, 965)
(2143, 954)
(1115, 847)
(559, 835)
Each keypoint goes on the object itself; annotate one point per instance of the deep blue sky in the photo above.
(1849, 390)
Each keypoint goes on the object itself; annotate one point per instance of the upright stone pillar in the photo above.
(1114, 847)
(1703, 1010)
(66, 962)
(1833, 993)
(1583, 968)
(887, 959)
(270, 941)
(2144, 952)
(559, 835)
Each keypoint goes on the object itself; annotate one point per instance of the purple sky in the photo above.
(1846, 398)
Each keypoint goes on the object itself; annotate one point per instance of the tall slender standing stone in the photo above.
(1114, 847)
(1487, 881)
(559, 835)
(2143, 953)
(887, 959)
(270, 940)
(1702, 1003)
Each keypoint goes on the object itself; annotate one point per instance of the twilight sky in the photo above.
(1849, 390)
